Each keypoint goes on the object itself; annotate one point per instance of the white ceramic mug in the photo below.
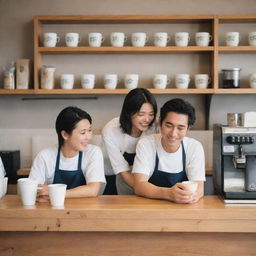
(232, 38)
(182, 81)
(202, 81)
(252, 80)
(110, 81)
(50, 39)
(160, 81)
(117, 39)
(203, 38)
(27, 189)
(87, 81)
(191, 185)
(252, 38)
(67, 81)
(57, 193)
(139, 39)
(131, 81)
(182, 38)
(161, 39)
(95, 39)
(72, 39)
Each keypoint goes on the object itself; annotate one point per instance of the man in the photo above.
(164, 160)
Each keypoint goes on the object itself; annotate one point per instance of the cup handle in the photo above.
(147, 38)
(209, 80)
(188, 38)
(102, 39)
(125, 38)
(168, 81)
(79, 39)
(210, 38)
(58, 39)
(168, 38)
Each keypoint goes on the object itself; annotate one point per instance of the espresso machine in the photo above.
(234, 163)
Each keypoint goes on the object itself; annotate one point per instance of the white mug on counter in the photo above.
(57, 193)
(202, 81)
(95, 39)
(72, 39)
(139, 39)
(160, 81)
(67, 81)
(161, 39)
(50, 39)
(110, 81)
(87, 81)
(117, 39)
(191, 185)
(182, 81)
(232, 38)
(203, 38)
(131, 81)
(252, 38)
(182, 38)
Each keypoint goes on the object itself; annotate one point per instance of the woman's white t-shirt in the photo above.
(117, 142)
(169, 162)
(43, 167)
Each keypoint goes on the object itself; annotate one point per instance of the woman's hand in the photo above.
(42, 193)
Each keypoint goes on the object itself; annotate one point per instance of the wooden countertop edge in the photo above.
(118, 214)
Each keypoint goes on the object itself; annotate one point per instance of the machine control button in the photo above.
(240, 140)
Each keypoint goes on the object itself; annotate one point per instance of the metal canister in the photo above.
(231, 78)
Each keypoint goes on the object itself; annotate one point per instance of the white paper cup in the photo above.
(3, 186)
(57, 193)
(27, 188)
(191, 185)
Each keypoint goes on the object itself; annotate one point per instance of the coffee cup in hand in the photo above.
(191, 185)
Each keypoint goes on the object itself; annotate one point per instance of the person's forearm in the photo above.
(128, 178)
(149, 190)
(90, 190)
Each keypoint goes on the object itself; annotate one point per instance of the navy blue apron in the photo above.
(74, 178)
(166, 179)
(111, 179)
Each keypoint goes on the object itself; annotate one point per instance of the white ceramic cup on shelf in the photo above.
(182, 38)
(252, 80)
(232, 38)
(131, 81)
(202, 81)
(182, 81)
(161, 39)
(252, 38)
(95, 39)
(72, 39)
(67, 81)
(139, 39)
(160, 81)
(110, 81)
(191, 185)
(57, 193)
(117, 39)
(27, 189)
(203, 38)
(87, 81)
(50, 39)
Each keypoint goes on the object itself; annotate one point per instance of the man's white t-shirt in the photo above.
(43, 167)
(169, 162)
(117, 142)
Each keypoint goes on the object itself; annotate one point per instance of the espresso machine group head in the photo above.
(234, 162)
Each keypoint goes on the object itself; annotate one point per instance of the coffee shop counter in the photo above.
(127, 225)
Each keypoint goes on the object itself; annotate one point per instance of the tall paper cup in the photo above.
(57, 193)
(28, 191)
(191, 185)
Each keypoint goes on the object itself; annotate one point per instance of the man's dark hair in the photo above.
(178, 106)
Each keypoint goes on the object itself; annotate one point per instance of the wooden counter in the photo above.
(127, 225)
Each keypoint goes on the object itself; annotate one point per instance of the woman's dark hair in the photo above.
(67, 120)
(178, 106)
(132, 104)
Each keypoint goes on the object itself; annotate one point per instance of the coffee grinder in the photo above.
(234, 163)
